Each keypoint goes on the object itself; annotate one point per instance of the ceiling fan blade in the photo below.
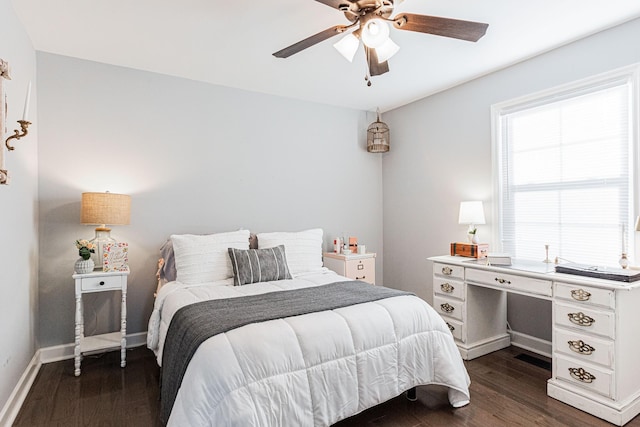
(334, 3)
(310, 41)
(375, 68)
(446, 27)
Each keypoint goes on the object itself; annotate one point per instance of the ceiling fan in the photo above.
(370, 22)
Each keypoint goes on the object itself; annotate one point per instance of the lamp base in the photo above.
(103, 236)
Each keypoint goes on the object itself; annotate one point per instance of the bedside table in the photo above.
(354, 266)
(99, 281)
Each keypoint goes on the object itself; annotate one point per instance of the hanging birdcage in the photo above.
(378, 136)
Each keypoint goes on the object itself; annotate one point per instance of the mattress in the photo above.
(309, 370)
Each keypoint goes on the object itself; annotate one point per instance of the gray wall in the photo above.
(196, 158)
(18, 212)
(441, 155)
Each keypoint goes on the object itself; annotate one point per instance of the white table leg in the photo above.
(79, 332)
(123, 330)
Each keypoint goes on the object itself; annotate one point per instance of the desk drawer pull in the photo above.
(580, 295)
(451, 327)
(581, 319)
(446, 287)
(101, 283)
(447, 271)
(446, 307)
(503, 281)
(360, 278)
(581, 347)
(581, 375)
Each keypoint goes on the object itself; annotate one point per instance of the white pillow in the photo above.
(303, 249)
(201, 259)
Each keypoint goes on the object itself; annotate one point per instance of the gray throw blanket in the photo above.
(193, 324)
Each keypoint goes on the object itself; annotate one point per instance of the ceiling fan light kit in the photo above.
(348, 46)
(371, 19)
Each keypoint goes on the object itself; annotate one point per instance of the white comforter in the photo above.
(309, 370)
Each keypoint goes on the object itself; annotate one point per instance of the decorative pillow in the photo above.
(258, 265)
(303, 248)
(201, 259)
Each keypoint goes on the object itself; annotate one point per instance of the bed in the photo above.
(262, 334)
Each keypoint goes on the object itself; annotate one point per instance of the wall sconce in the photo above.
(24, 123)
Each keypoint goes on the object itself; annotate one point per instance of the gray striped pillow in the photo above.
(258, 265)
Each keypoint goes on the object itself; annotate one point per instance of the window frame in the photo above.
(629, 75)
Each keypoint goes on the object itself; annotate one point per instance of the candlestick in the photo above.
(26, 103)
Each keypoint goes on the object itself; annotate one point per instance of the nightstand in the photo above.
(354, 266)
(99, 281)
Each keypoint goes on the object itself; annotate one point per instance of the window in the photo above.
(565, 170)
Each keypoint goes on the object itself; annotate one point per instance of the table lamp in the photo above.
(471, 213)
(104, 209)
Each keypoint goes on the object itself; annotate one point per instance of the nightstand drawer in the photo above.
(361, 269)
(101, 283)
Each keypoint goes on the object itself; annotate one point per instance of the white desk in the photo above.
(596, 341)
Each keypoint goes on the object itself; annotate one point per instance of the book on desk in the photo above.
(599, 272)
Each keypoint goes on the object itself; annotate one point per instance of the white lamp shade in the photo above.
(375, 32)
(347, 46)
(386, 50)
(471, 213)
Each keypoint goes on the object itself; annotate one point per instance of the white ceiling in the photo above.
(230, 43)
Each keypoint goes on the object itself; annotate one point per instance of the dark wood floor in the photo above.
(505, 391)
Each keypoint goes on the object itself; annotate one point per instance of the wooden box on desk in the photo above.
(473, 250)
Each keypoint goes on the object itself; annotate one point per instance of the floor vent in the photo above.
(534, 361)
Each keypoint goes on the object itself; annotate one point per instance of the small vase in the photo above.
(84, 266)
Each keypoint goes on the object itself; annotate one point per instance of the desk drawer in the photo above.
(584, 347)
(101, 283)
(585, 319)
(448, 307)
(448, 288)
(583, 375)
(448, 270)
(455, 327)
(578, 294)
(510, 281)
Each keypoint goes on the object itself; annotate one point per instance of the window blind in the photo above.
(566, 162)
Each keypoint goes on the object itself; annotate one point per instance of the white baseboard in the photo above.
(19, 394)
(47, 355)
(533, 344)
(65, 351)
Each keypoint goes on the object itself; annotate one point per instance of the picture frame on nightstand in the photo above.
(115, 257)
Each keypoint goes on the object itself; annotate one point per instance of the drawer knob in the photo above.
(446, 287)
(447, 271)
(581, 319)
(582, 375)
(580, 295)
(581, 347)
(451, 327)
(446, 307)
(502, 281)
(102, 283)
